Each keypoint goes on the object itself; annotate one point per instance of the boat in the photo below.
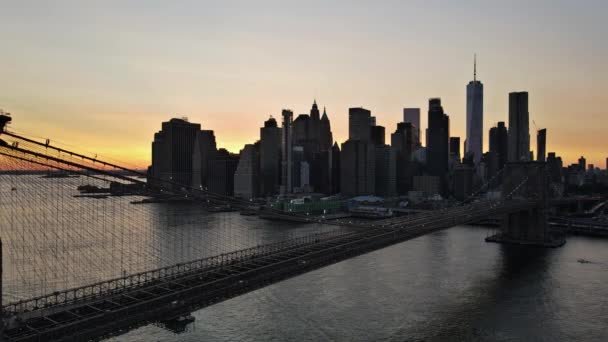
(583, 261)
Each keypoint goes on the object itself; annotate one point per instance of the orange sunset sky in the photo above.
(104, 75)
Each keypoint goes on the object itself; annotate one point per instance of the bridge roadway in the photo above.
(112, 307)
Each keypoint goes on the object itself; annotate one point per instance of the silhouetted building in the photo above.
(554, 166)
(315, 123)
(221, 173)
(286, 151)
(582, 163)
(204, 152)
(301, 129)
(246, 175)
(541, 143)
(270, 157)
(321, 172)
(429, 185)
(297, 160)
(359, 124)
(455, 148)
(357, 168)
(172, 150)
(474, 140)
(304, 176)
(377, 135)
(499, 143)
(385, 173)
(335, 169)
(463, 182)
(325, 136)
(519, 132)
(404, 142)
(438, 136)
(412, 115)
(490, 161)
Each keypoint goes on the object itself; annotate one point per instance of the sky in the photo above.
(102, 75)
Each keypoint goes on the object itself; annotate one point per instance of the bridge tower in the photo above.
(527, 182)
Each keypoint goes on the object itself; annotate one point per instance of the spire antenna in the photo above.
(475, 67)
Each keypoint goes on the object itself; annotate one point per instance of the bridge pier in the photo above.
(527, 181)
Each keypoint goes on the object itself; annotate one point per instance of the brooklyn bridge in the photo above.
(120, 276)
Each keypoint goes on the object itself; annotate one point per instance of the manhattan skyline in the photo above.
(108, 84)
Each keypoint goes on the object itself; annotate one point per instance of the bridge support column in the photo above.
(527, 181)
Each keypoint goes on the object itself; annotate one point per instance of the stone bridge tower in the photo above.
(527, 182)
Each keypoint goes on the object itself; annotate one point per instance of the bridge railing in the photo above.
(118, 285)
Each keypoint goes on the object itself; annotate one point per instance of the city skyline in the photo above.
(89, 80)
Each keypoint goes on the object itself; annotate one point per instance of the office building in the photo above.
(429, 185)
(499, 143)
(357, 168)
(519, 132)
(463, 182)
(221, 173)
(455, 148)
(246, 174)
(582, 163)
(474, 139)
(270, 157)
(438, 139)
(385, 173)
(359, 124)
(412, 115)
(335, 169)
(286, 151)
(326, 139)
(377, 134)
(172, 151)
(204, 152)
(404, 142)
(541, 143)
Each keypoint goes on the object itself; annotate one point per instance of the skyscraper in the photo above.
(541, 144)
(499, 143)
(438, 136)
(412, 115)
(335, 168)
(385, 173)
(315, 121)
(582, 163)
(377, 135)
(286, 151)
(204, 151)
(172, 153)
(326, 139)
(359, 124)
(474, 140)
(357, 168)
(246, 174)
(455, 148)
(221, 173)
(270, 157)
(519, 132)
(404, 142)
